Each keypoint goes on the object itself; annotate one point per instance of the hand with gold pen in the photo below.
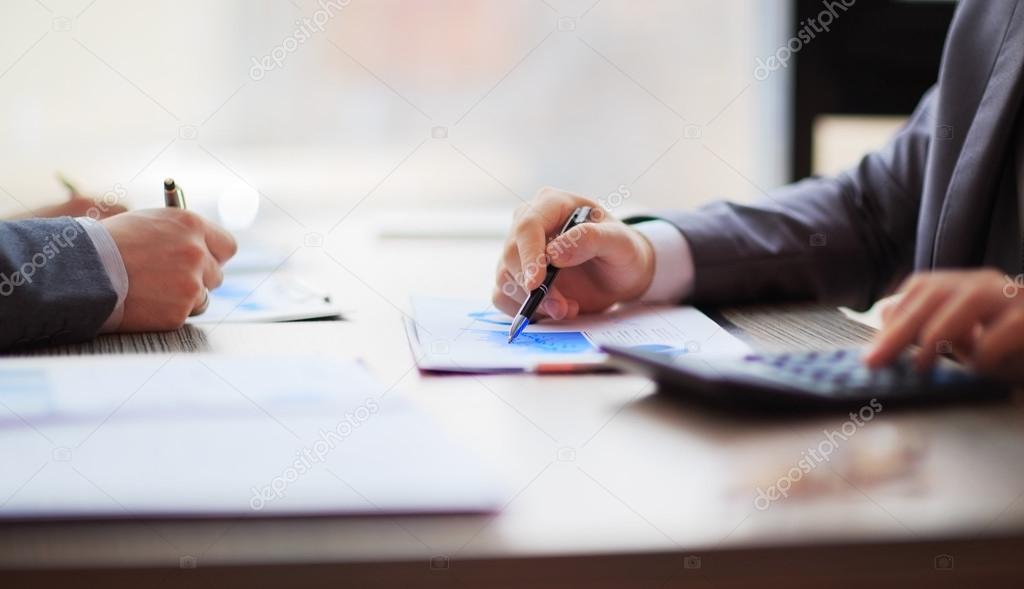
(173, 257)
(162, 261)
(174, 198)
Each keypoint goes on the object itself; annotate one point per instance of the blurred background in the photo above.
(439, 104)
(327, 111)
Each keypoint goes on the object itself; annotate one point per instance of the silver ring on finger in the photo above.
(202, 306)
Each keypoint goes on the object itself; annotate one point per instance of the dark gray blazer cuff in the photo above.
(53, 286)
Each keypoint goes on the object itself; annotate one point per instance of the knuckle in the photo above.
(932, 334)
(518, 213)
(192, 254)
(511, 260)
(190, 290)
(522, 223)
(547, 193)
(188, 219)
(977, 295)
(218, 279)
(502, 301)
(912, 281)
(583, 234)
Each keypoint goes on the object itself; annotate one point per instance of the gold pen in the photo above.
(174, 196)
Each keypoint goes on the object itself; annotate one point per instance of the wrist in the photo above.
(671, 275)
(110, 258)
(645, 263)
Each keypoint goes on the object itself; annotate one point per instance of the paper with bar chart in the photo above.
(451, 335)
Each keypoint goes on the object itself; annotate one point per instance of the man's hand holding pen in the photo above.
(602, 262)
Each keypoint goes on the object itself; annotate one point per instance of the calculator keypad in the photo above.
(840, 373)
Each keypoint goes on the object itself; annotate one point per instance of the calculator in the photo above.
(806, 379)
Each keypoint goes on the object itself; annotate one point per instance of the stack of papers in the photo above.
(469, 336)
(205, 435)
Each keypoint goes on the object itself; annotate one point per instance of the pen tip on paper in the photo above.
(517, 326)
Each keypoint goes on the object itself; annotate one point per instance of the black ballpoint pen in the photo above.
(522, 319)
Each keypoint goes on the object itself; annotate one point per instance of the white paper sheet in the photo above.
(204, 435)
(258, 297)
(470, 336)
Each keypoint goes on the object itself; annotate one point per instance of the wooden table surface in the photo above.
(609, 483)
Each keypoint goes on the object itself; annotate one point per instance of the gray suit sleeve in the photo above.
(53, 286)
(843, 240)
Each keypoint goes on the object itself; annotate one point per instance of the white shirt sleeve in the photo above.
(110, 257)
(673, 263)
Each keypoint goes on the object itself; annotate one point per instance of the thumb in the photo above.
(610, 241)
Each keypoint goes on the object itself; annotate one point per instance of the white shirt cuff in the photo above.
(110, 257)
(673, 263)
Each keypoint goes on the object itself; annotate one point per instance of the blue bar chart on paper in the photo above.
(470, 336)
